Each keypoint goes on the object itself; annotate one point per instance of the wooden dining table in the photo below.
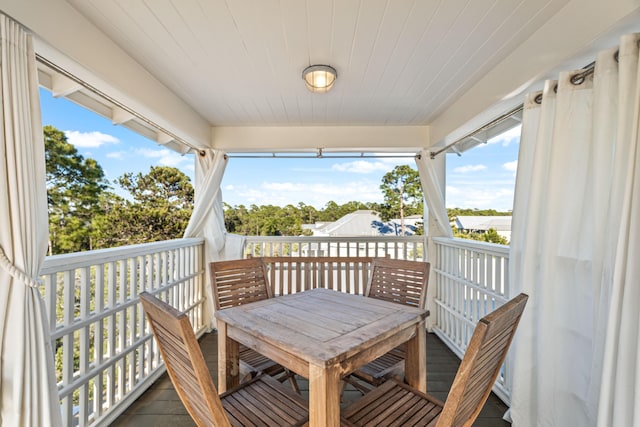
(322, 335)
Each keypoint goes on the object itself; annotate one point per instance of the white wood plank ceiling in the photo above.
(239, 62)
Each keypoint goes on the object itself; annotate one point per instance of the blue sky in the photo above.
(481, 178)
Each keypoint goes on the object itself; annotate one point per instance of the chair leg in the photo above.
(356, 384)
(248, 376)
(293, 382)
(343, 385)
(291, 376)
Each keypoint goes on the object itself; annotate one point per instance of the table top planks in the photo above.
(343, 324)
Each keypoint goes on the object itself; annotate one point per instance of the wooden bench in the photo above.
(289, 275)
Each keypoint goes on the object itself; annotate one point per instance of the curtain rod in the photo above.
(492, 123)
(319, 154)
(98, 92)
(576, 79)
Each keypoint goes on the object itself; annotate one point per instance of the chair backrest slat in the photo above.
(184, 361)
(481, 364)
(399, 281)
(238, 282)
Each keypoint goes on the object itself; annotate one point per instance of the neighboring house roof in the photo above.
(483, 223)
(363, 223)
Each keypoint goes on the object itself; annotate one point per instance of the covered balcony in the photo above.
(214, 79)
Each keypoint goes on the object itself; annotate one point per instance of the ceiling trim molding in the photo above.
(282, 138)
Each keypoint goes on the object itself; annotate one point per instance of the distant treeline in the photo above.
(85, 212)
(454, 212)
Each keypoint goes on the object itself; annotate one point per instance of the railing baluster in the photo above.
(111, 339)
(133, 317)
(98, 388)
(107, 353)
(471, 279)
(84, 344)
(67, 342)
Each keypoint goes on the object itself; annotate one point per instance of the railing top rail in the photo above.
(318, 259)
(74, 260)
(490, 248)
(252, 239)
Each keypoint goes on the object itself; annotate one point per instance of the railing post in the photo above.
(431, 257)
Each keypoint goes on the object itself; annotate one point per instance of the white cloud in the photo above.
(481, 197)
(470, 168)
(399, 159)
(508, 137)
(314, 194)
(116, 155)
(362, 166)
(511, 166)
(453, 191)
(89, 139)
(164, 156)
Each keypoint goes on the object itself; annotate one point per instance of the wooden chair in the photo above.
(395, 403)
(260, 401)
(239, 282)
(399, 281)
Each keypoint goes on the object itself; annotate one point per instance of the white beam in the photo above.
(120, 116)
(66, 38)
(163, 139)
(345, 138)
(63, 86)
(598, 25)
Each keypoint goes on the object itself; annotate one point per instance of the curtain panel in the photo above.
(574, 248)
(29, 396)
(207, 219)
(432, 189)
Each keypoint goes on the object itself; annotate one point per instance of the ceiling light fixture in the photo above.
(319, 78)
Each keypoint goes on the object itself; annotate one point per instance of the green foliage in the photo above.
(403, 196)
(84, 215)
(402, 192)
(75, 186)
(490, 236)
(272, 220)
(160, 207)
(333, 212)
(268, 220)
(455, 212)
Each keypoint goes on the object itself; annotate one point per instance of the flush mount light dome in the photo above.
(319, 78)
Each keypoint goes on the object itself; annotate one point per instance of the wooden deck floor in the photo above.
(161, 407)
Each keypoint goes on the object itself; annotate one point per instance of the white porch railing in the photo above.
(104, 353)
(343, 261)
(471, 280)
(106, 357)
(407, 247)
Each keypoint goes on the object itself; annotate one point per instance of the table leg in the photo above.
(416, 359)
(228, 360)
(324, 396)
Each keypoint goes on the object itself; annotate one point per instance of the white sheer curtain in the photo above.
(433, 195)
(432, 188)
(574, 245)
(28, 390)
(207, 219)
(620, 390)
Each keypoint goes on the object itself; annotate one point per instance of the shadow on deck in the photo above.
(160, 406)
